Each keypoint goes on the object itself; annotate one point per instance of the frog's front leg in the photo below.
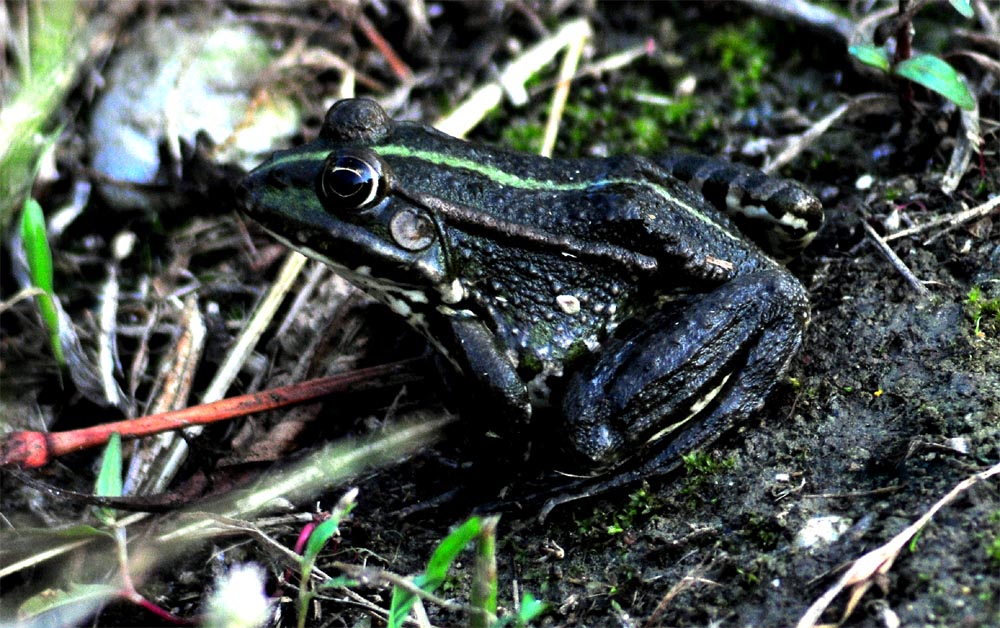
(479, 355)
(686, 374)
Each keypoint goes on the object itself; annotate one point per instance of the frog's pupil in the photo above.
(351, 180)
(347, 183)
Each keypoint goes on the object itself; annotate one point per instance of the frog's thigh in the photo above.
(686, 375)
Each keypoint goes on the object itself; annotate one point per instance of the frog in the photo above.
(605, 296)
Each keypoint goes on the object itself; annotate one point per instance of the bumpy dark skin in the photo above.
(601, 290)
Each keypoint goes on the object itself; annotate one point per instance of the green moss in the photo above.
(702, 463)
(701, 467)
(891, 194)
(641, 503)
(985, 312)
(525, 137)
(993, 550)
(744, 55)
(760, 532)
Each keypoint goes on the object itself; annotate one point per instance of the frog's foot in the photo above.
(687, 374)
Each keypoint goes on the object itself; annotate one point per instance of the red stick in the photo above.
(36, 449)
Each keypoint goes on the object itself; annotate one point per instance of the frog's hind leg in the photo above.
(686, 375)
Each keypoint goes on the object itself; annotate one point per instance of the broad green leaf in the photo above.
(875, 56)
(437, 569)
(85, 596)
(109, 480)
(39, 256)
(938, 76)
(962, 6)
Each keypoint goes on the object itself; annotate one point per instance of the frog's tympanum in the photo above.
(603, 293)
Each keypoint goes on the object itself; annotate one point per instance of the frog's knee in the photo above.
(784, 290)
(597, 444)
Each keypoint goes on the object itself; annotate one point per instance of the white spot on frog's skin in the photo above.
(734, 200)
(399, 306)
(759, 213)
(795, 222)
(568, 303)
(365, 271)
(453, 292)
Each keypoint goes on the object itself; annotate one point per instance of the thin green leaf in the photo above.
(875, 56)
(318, 538)
(39, 256)
(483, 595)
(437, 569)
(45, 535)
(52, 29)
(47, 66)
(109, 480)
(338, 582)
(449, 549)
(937, 75)
(962, 6)
(530, 610)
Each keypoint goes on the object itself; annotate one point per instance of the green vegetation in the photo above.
(525, 136)
(932, 72)
(993, 550)
(483, 600)
(317, 540)
(638, 118)
(993, 547)
(39, 258)
(700, 468)
(761, 532)
(984, 312)
(42, 74)
(640, 503)
(76, 599)
(701, 463)
(743, 56)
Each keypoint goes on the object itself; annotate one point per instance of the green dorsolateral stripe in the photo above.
(505, 178)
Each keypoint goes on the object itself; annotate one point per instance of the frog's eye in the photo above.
(351, 182)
